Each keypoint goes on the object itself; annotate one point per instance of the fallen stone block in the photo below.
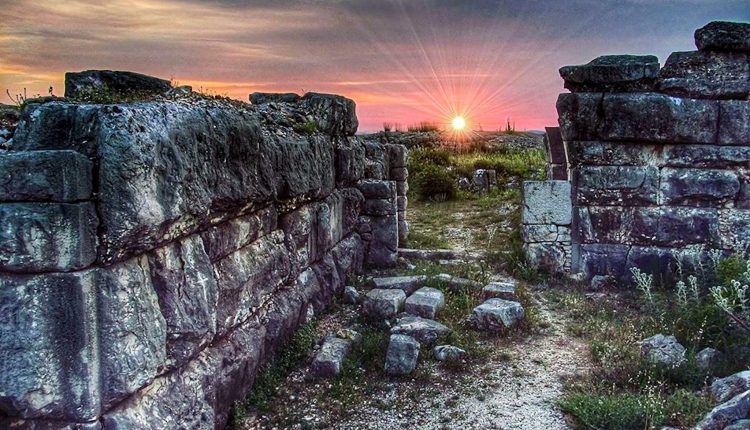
(408, 284)
(496, 314)
(426, 302)
(455, 282)
(425, 331)
(330, 358)
(448, 353)
(612, 73)
(383, 304)
(351, 296)
(500, 290)
(402, 355)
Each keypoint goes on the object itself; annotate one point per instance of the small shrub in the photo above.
(435, 183)
(423, 127)
(730, 268)
(307, 128)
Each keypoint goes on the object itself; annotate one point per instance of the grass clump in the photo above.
(306, 128)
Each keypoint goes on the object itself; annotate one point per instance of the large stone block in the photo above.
(248, 277)
(352, 206)
(655, 117)
(579, 115)
(616, 185)
(553, 257)
(331, 284)
(533, 233)
(612, 73)
(333, 114)
(636, 154)
(349, 256)
(41, 237)
(223, 239)
(132, 330)
(59, 125)
(88, 83)
(183, 278)
(397, 155)
(712, 75)
(48, 346)
(600, 259)
(375, 189)
(350, 161)
(649, 226)
(383, 248)
(723, 36)
(734, 122)
(258, 98)
(58, 176)
(734, 225)
(697, 187)
(658, 261)
(547, 202)
(329, 223)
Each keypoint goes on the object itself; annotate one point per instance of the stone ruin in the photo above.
(154, 255)
(657, 161)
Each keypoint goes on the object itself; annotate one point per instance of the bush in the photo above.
(435, 183)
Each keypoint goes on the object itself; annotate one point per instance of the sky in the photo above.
(402, 61)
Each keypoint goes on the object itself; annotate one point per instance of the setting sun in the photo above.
(458, 123)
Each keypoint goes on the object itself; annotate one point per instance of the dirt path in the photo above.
(516, 389)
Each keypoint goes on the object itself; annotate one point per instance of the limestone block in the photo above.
(328, 278)
(83, 84)
(350, 161)
(616, 185)
(329, 223)
(546, 202)
(375, 189)
(604, 259)
(734, 123)
(399, 174)
(697, 187)
(423, 330)
(500, 290)
(711, 75)
(352, 201)
(402, 188)
(58, 176)
(380, 207)
(40, 237)
(612, 73)
(223, 239)
(679, 155)
(330, 358)
(397, 155)
(259, 98)
(333, 114)
(408, 284)
(723, 36)
(579, 115)
(532, 233)
(401, 203)
(402, 355)
(734, 226)
(426, 302)
(383, 249)
(298, 227)
(496, 314)
(349, 256)
(553, 257)
(383, 304)
(184, 281)
(58, 125)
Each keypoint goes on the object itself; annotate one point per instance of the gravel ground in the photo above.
(514, 388)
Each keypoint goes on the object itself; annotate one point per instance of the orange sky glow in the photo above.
(402, 61)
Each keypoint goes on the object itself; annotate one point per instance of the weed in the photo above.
(306, 128)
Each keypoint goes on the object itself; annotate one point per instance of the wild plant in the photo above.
(643, 282)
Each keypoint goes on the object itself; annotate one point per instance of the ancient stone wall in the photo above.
(154, 255)
(658, 158)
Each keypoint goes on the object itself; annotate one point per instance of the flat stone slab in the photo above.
(402, 355)
(408, 284)
(500, 290)
(456, 282)
(425, 302)
(496, 314)
(381, 304)
(330, 358)
(425, 331)
(612, 72)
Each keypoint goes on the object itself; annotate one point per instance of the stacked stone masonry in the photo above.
(154, 255)
(658, 159)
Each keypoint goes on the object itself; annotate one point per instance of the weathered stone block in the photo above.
(712, 75)
(402, 188)
(330, 358)
(579, 115)
(350, 161)
(423, 330)
(649, 226)
(397, 155)
(132, 330)
(184, 281)
(600, 259)
(734, 122)
(298, 227)
(496, 314)
(383, 304)
(402, 355)
(328, 278)
(374, 189)
(554, 145)
(697, 187)
(223, 239)
(41, 237)
(616, 185)
(612, 73)
(546, 202)
(653, 260)
(403, 230)
(557, 172)
(655, 117)
(349, 256)
(533, 233)
(723, 36)
(380, 207)
(258, 98)
(408, 284)
(553, 257)
(352, 201)
(401, 203)
(734, 226)
(58, 125)
(638, 154)
(58, 176)
(426, 302)
(383, 250)
(248, 277)
(329, 223)
(48, 346)
(333, 114)
(500, 290)
(88, 82)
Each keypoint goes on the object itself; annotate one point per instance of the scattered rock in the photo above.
(402, 355)
(382, 304)
(426, 331)
(448, 353)
(425, 302)
(496, 314)
(663, 350)
(724, 389)
(500, 290)
(708, 359)
(726, 413)
(351, 295)
(88, 82)
(181, 91)
(330, 359)
(408, 284)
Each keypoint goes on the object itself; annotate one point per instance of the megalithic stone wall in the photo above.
(153, 256)
(659, 158)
